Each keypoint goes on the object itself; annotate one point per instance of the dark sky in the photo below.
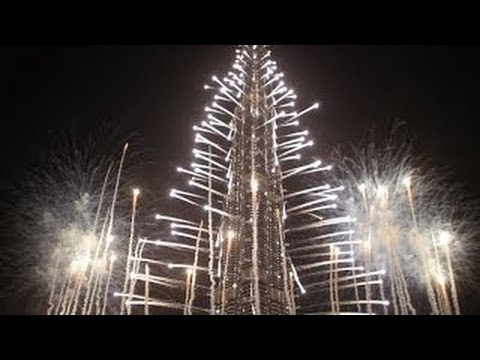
(156, 91)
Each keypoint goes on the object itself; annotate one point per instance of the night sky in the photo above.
(156, 92)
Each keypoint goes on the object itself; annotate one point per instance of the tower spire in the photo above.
(254, 279)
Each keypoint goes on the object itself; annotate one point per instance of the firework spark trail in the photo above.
(332, 291)
(448, 310)
(147, 290)
(51, 304)
(368, 250)
(442, 293)
(99, 293)
(78, 294)
(88, 302)
(107, 287)
(102, 196)
(224, 282)
(187, 291)
(397, 274)
(453, 285)
(284, 265)
(94, 292)
(139, 247)
(130, 247)
(195, 265)
(335, 270)
(74, 294)
(97, 285)
(354, 272)
(428, 281)
(115, 192)
(210, 239)
(404, 294)
(90, 293)
(104, 272)
(99, 242)
(60, 295)
(452, 281)
(66, 294)
(73, 303)
(395, 271)
(407, 182)
(399, 284)
(383, 298)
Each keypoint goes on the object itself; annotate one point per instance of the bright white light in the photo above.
(136, 192)
(445, 238)
(255, 185)
(362, 188)
(74, 266)
(316, 106)
(110, 238)
(173, 192)
(230, 235)
(440, 278)
(189, 271)
(80, 264)
(382, 191)
(158, 217)
(407, 182)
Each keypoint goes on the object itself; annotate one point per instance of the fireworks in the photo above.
(250, 221)
(260, 229)
(73, 220)
(410, 223)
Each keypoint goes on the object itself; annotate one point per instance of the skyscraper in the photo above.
(262, 234)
